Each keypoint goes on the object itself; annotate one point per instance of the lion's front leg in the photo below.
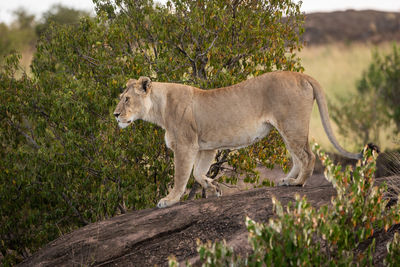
(183, 161)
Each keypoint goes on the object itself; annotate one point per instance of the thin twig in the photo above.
(229, 186)
(75, 210)
(27, 136)
(209, 48)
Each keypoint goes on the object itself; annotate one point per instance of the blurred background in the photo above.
(341, 40)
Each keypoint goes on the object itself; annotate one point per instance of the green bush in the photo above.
(65, 163)
(393, 248)
(302, 235)
(361, 116)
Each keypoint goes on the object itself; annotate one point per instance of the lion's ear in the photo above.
(130, 82)
(144, 85)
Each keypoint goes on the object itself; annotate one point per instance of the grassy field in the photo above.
(338, 67)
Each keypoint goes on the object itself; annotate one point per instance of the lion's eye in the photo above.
(127, 99)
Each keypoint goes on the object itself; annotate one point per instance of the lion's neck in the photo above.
(156, 109)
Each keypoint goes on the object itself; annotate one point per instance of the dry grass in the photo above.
(26, 59)
(338, 67)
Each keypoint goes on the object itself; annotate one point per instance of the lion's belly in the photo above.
(236, 136)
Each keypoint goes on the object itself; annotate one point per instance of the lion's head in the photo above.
(134, 101)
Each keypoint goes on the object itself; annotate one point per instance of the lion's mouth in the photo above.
(123, 125)
(124, 122)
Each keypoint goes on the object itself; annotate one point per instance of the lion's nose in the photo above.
(116, 115)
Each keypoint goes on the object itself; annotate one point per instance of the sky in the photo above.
(37, 7)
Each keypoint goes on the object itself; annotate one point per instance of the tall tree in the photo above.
(65, 162)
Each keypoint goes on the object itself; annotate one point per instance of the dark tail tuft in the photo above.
(372, 146)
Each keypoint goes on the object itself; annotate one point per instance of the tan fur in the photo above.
(199, 122)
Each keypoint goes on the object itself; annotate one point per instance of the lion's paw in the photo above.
(164, 202)
(289, 182)
(218, 191)
(214, 185)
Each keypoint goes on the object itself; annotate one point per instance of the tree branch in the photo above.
(209, 48)
(27, 136)
(233, 60)
(74, 209)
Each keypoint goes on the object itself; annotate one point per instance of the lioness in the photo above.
(198, 122)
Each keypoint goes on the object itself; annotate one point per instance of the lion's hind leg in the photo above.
(294, 171)
(306, 161)
(303, 158)
(202, 164)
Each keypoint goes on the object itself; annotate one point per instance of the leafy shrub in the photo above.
(65, 163)
(328, 236)
(393, 248)
(361, 116)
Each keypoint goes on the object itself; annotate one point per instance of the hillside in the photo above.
(352, 26)
(148, 237)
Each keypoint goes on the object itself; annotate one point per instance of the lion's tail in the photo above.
(323, 111)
